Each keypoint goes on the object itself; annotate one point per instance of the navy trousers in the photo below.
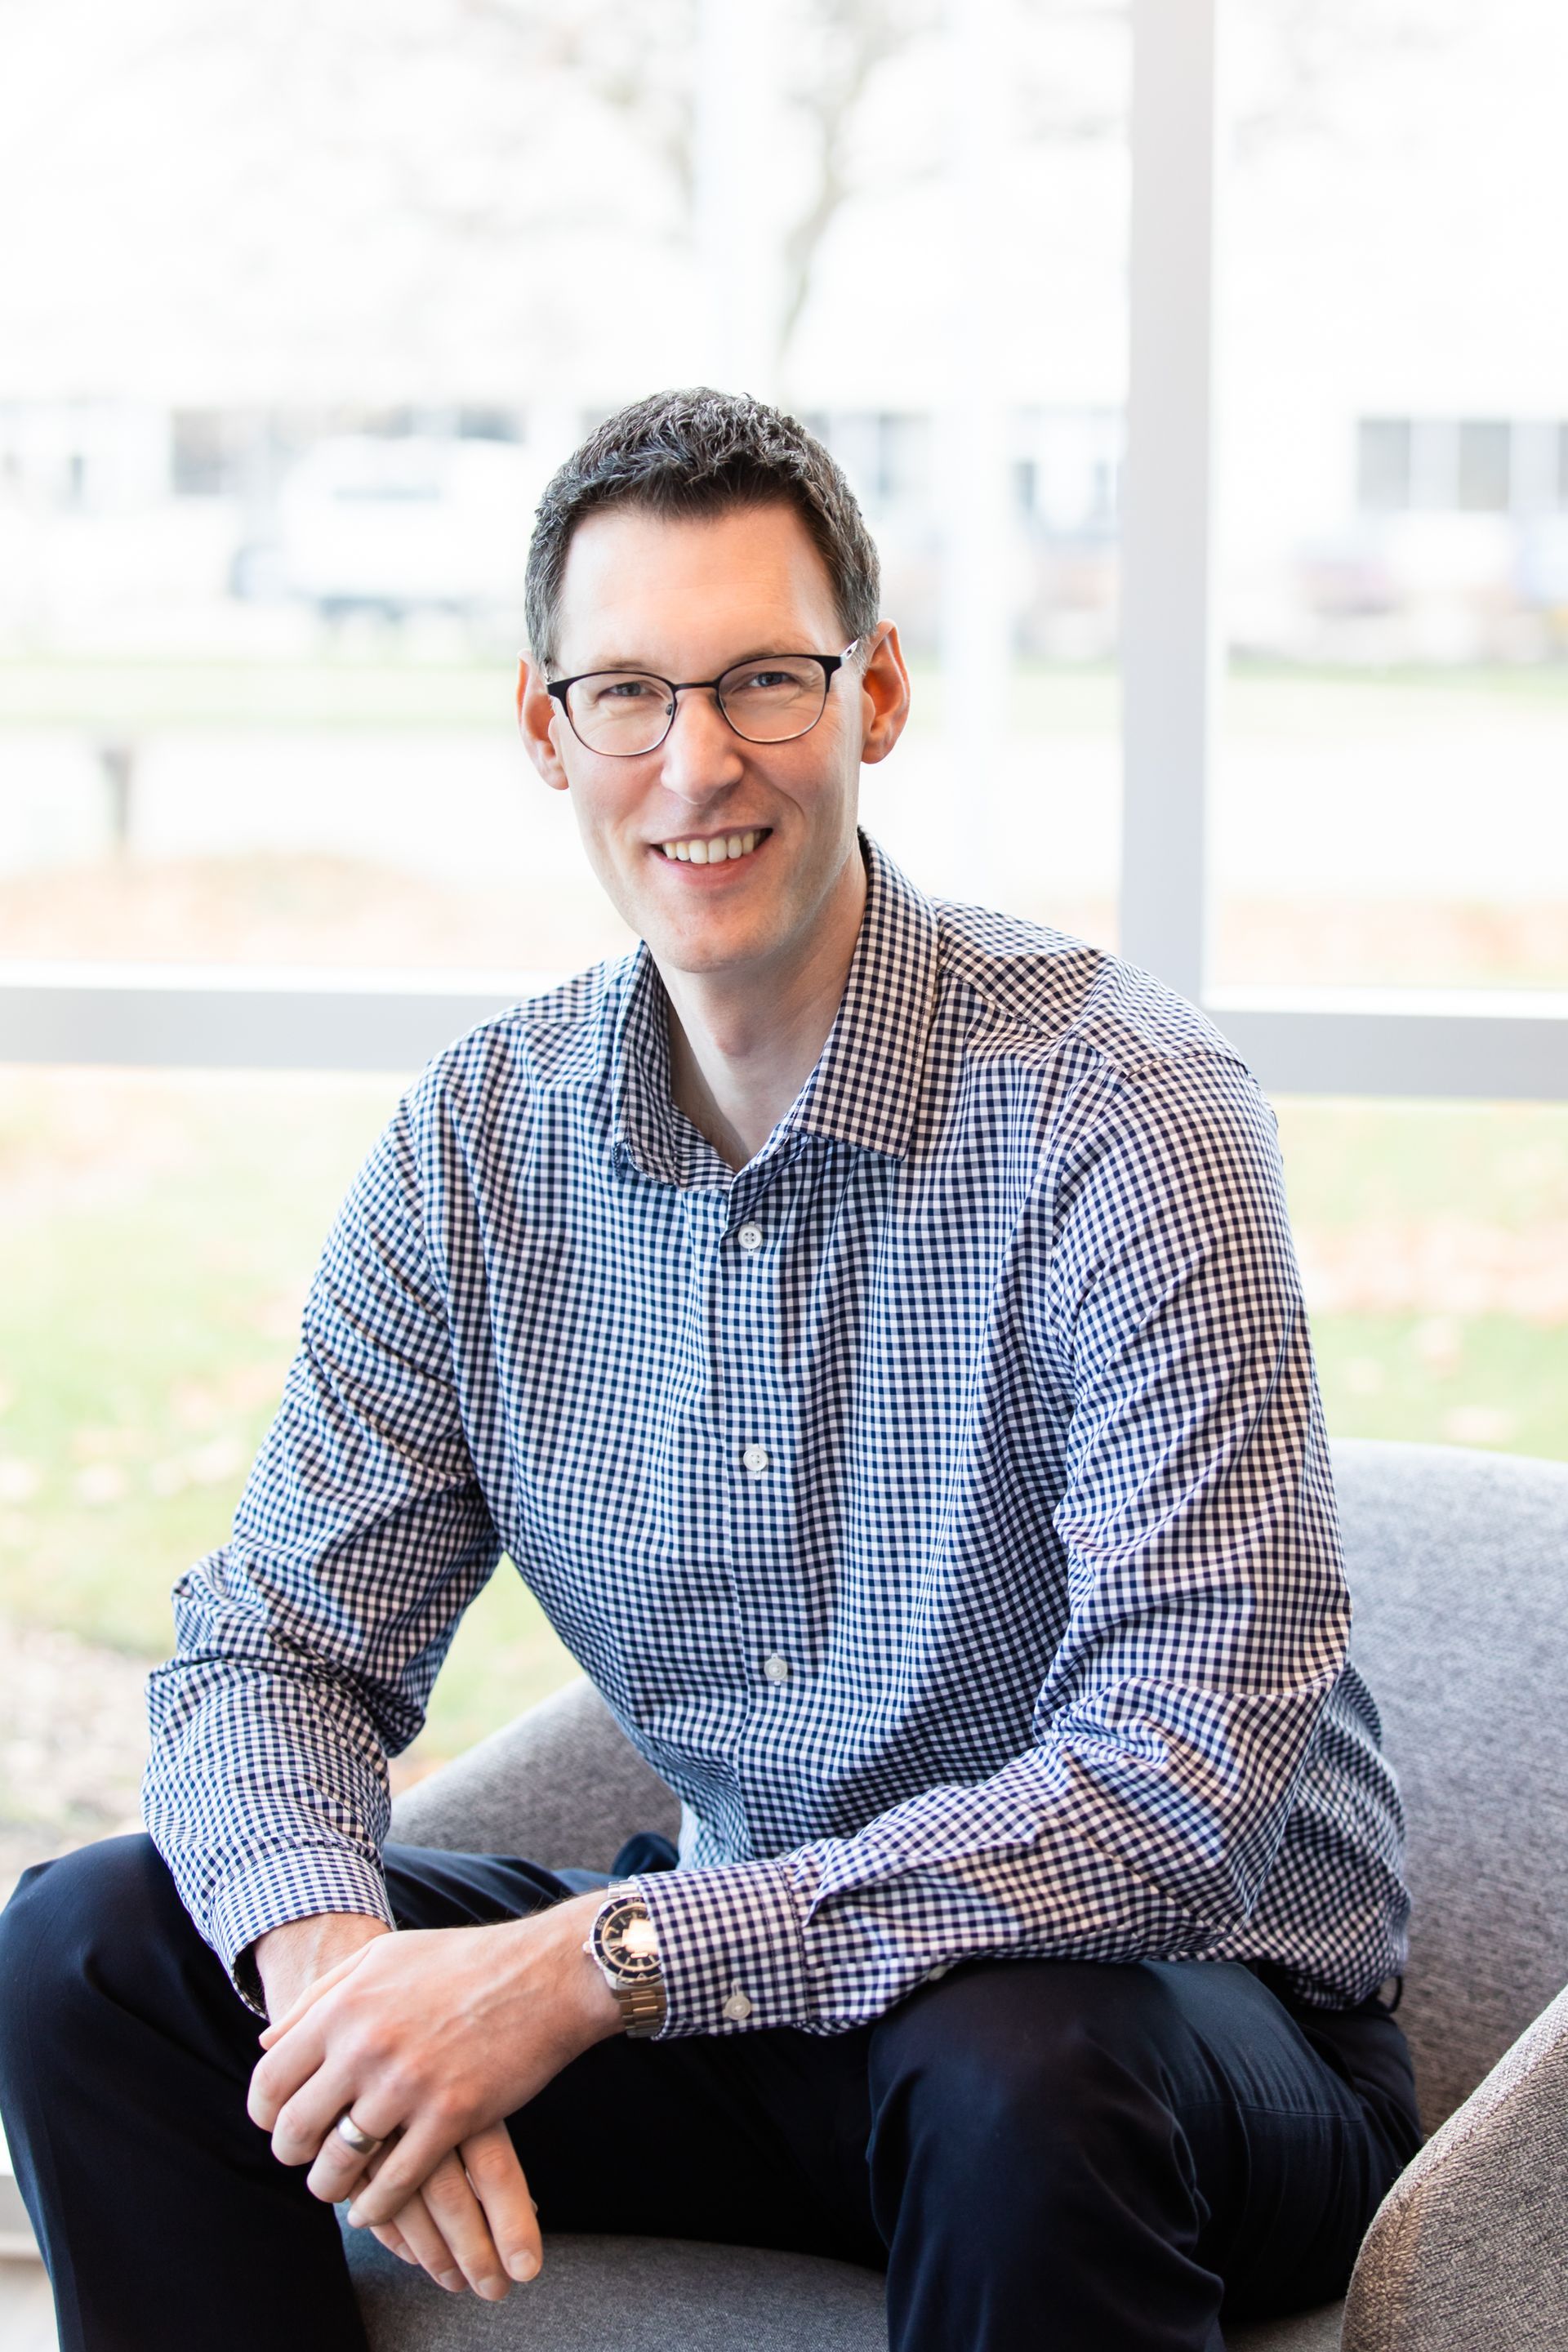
(1040, 2153)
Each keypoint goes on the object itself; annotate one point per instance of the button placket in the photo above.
(756, 1407)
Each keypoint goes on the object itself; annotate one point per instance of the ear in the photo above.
(884, 693)
(538, 717)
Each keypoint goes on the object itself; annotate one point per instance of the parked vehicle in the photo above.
(401, 526)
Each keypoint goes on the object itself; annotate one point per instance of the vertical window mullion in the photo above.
(1169, 621)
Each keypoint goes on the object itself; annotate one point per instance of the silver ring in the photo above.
(349, 2132)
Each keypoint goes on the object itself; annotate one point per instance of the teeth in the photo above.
(712, 853)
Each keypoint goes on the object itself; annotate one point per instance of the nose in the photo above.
(702, 755)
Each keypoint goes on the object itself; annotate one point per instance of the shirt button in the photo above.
(750, 1237)
(755, 1458)
(776, 1668)
(738, 2007)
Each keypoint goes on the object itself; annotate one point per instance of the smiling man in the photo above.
(871, 1324)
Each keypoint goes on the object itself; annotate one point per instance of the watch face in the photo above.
(626, 1941)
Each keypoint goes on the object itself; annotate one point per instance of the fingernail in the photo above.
(453, 2281)
(523, 2265)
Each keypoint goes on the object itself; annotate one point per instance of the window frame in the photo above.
(1488, 1045)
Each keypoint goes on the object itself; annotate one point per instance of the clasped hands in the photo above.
(429, 2038)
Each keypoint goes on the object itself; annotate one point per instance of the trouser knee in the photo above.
(1028, 2070)
(83, 1938)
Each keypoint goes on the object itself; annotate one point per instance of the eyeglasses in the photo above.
(770, 700)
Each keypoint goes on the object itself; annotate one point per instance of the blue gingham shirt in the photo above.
(941, 1502)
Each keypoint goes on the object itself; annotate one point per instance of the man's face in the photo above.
(685, 600)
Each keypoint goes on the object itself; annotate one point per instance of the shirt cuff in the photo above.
(269, 1892)
(730, 1950)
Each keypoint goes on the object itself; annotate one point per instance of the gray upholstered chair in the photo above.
(1458, 1563)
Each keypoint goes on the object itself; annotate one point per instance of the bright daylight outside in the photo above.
(312, 298)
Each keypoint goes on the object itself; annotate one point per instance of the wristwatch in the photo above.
(624, 1943)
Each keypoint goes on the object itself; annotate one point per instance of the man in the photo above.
(872, 1328)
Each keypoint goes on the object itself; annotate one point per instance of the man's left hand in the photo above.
(432, 2034)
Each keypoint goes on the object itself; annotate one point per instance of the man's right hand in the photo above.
(472, 2222)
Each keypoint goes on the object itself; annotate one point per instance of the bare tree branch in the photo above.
(853, 40)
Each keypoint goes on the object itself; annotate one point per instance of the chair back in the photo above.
(1459, 1572)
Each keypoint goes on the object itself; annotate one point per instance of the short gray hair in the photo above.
(692, 454)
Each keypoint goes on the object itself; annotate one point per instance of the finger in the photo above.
(496, 2179)
(286, 2068)
(421, 2147)
(337, 2170)
(306, 2123)
(279, 2026)
(459, 2217)
(373, 2164)
(389, 2235)
(427, 2247)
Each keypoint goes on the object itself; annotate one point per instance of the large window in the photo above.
(1219, 462)
(1390, 808)
(157, 1232)
(267, 476)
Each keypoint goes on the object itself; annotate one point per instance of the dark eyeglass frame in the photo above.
(830, 662)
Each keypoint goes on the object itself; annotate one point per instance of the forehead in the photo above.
(679, 595)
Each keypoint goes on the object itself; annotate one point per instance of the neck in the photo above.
(741, 1047)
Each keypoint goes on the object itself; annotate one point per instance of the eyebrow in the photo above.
(757, 653)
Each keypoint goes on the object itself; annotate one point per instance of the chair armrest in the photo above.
(1466, 2248)
(563, 1785)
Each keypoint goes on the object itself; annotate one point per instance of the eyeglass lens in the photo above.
(767, 702)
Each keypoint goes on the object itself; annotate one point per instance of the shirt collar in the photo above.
(645, 1126)
(865, 1088)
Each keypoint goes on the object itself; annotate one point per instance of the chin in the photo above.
(701, 949)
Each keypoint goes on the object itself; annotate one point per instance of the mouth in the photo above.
(713, 849)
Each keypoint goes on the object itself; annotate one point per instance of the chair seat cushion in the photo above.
(662, 2294)
(1304, 2331)
(665, 2295)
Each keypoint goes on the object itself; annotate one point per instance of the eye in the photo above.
(772, 678)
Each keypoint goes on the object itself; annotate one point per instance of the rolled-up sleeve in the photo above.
(307, 1645)
(1208, 1617)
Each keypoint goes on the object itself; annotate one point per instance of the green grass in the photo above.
(1482, 1380)
(157, 1232)
(156, 1235)
(1352, 1163)
(1436, 1237)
